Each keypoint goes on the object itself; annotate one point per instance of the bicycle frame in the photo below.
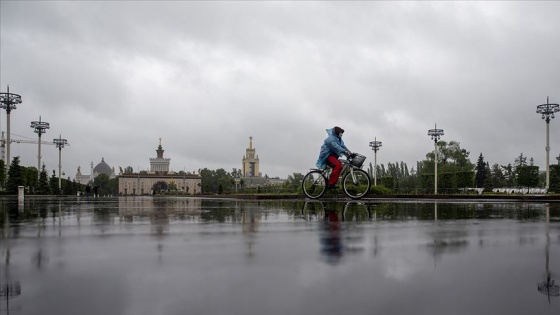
(346, 167)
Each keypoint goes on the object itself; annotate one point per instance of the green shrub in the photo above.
(380, 190)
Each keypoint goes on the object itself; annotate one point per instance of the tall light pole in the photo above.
(60, 144)
(8, 101)
(40, 127)
(435, 134)
(375, 145)
(547, 111)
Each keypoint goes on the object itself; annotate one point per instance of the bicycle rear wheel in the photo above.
(355, 211)
(314, 184)
(356, 183)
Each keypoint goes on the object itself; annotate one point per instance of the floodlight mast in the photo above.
(547, 111)
(40, 127)
(435, 134)
(8, 101)
(375, 145)
(60, 143)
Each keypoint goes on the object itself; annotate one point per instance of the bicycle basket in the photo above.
(358, 160)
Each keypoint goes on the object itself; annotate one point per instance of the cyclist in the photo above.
(333, 147)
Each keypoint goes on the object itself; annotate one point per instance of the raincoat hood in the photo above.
(333, 145)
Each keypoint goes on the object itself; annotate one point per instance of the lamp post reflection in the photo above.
(8, 288)
(548, 286)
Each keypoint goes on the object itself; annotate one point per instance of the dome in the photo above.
(102, 168)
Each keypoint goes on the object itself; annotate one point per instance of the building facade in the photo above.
(101, 168)
(159, 178)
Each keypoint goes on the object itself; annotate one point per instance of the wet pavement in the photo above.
(167, 255)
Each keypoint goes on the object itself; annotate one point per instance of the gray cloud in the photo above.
(114, 77)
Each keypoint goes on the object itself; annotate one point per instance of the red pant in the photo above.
(333, 161)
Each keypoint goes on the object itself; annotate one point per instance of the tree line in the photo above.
(35, 182)
(455, 173)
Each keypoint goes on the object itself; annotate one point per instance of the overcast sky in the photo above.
(114, 77)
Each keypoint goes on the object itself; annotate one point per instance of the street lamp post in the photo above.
(435, 134)
(547, 111)
(60, 144)
(375, 145)
(40, 127)
(8, 101)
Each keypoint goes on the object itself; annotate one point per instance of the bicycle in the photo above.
(355, 181)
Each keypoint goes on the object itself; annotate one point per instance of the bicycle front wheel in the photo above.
(356, 183)
(314, 184)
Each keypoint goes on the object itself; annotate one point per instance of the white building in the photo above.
(101, 168)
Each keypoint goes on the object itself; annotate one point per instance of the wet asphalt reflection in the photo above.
(176, 255)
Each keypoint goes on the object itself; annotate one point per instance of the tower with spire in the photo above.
(159, 165)
(250, 161)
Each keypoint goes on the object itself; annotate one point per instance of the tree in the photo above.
(488, 183)
(43, 187)
(53, 183)
(453, 163)
(30, 176)
(225, 180)
(528, 176)
(451, 153)
(498, 177)
(554, 179)
(388, 182)
(465, 179)
(480, 175)
(68, 187)
(105, 185)
(2, 173)
(212, 180)
(397, 176)
(236, 173)
(15, 177)
(509, 174)
(520, 161)
(293, 182)
(160, 187)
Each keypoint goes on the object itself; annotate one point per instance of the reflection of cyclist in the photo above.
(331, 242)
(333, 147)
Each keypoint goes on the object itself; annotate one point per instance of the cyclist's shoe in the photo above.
(332, 187)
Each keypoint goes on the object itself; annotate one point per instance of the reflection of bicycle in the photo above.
(313, 211)
(355, 181)
(355, 211)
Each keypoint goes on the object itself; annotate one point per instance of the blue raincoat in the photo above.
(332, 145)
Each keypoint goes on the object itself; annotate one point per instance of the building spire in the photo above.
(160, 150)
(250, 142)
